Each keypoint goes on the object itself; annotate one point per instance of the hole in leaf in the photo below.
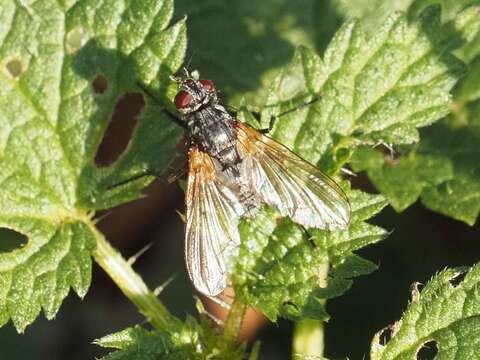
(100, 84)
(458, 279)
(75, 39)
(14, 68)
(120, 129)
(385, 336)
(428, 351)
(11, 240)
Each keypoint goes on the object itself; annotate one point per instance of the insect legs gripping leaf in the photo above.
(232, 170)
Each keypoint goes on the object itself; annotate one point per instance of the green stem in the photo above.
(308, 335)
(132, 285)
(233, 325)
(308, 338)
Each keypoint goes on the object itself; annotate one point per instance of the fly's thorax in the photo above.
(212, 129)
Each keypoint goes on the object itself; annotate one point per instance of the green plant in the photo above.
(376, 88)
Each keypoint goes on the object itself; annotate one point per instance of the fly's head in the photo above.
(193, 94)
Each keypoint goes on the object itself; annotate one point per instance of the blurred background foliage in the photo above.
(239, 45)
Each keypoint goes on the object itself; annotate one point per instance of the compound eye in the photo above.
(183, 99)
(207, 84)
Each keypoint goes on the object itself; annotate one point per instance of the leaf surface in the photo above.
(444, 315)
(51, 123)
(443, 170)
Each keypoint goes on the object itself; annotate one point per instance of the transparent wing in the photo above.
(284, 180)
(212, 236)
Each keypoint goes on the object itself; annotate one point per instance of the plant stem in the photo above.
(308, 336)
(233, 325)
(132, 285)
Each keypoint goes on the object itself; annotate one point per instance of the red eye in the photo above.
(183, 99)
(207, 84)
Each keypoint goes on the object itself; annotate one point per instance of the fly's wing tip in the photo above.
(346, 218)
(210, 290)
(343, 222)
(206, 284)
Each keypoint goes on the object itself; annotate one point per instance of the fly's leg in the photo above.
(175, 174)
(274, 118)
(133, 178)
(170, 114)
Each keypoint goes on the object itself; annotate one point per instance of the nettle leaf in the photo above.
(372, 13)
(450, 8)
(51, 124)
(258, 37)
(279, 265)
(443, 172)
(373, 88)
(443, 316)
(139, 343)
(193, 341)
(443, 169)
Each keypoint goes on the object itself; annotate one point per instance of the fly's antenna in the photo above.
(186, 73)
(189, 62)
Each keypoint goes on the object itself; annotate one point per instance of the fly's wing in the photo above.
(212, 237)
(284, 180)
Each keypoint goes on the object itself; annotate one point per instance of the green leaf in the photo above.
(450, 8)
(258, 38)
(459, 197)
(443, 169)
(373, 88)
(444, 312)
(279, 268)
(141, 344)
(402, 180)
(371, 12)
(51, 124)
(193, 341)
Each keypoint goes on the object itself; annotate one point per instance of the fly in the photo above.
(233, 169)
